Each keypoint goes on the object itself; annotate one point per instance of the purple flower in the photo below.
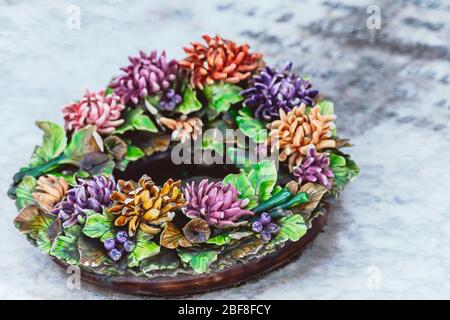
(265, 227)
(315, 168)
(148, 76)
(273, 90)
(215, 202)
(90, 194)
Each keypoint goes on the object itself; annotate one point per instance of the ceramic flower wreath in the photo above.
(73, 208)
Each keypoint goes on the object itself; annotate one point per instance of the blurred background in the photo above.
(385, 65)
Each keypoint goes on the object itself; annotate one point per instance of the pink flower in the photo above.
(215, 202)
(94, 109)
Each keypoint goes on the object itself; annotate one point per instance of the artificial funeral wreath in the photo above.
(73, 208)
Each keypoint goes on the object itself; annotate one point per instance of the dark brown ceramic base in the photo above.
(190, 284)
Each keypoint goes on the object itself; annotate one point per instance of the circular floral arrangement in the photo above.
(77, 200)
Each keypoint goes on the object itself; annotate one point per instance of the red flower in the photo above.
(219, 60)
(94, 109)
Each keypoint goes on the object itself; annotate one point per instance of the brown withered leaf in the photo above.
(247, 248)
(91, 254)
(54, 230)
(94, 162)
(30, 221)
(116, 147)
(49, 191)
(172, 237)
(197, 231)
(315, 192)
(158, 143)
(343, 143)
(292, 186)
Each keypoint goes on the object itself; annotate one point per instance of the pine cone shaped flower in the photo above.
(218, 204)
(273, 90)
(49, 191)
(103, 111)
(144, 205)
(148, 75)
(219, 60)
(315, 168)
(184, 128)
(295, 131)
(91, 194)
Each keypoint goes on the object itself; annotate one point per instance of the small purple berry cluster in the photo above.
(117, 246)
(169, 100)
(265, 227)
(315, 168)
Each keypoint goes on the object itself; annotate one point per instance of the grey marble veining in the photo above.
(388, 235)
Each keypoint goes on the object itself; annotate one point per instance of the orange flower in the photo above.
(295, 131)
(220, 60)
(144, 205)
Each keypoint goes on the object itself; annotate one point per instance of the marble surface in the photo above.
(388, 235)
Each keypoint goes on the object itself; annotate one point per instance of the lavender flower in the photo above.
(148, 76)
(273, 90)
(215, 202)
(315, 168)
(265, 227)
(92, 194)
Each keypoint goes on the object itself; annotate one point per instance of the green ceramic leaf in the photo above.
(254, 129)
(337, 161)
(167, 261)
(263, 177)
(54, 143)
(75, 230)
(71, 178)
(199, 261)
(244, 187)
(190, 102)
(134, 153)
(108, 91)
(92, 253)
(292, 227)
(24, 192)
(344, 169)
(327, 108)
(122, 165)
(145, 248)
(219, 240)
(137, 120)
(251, 127)
(238, 157)
(100, 225)
(212, 144)
(43, 242)
(65, 248)
(221, 96)
(108, 168)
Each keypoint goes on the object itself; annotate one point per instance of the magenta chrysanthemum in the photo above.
(103, 111)
(215, 202)
(315, 168)
(148, 75)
